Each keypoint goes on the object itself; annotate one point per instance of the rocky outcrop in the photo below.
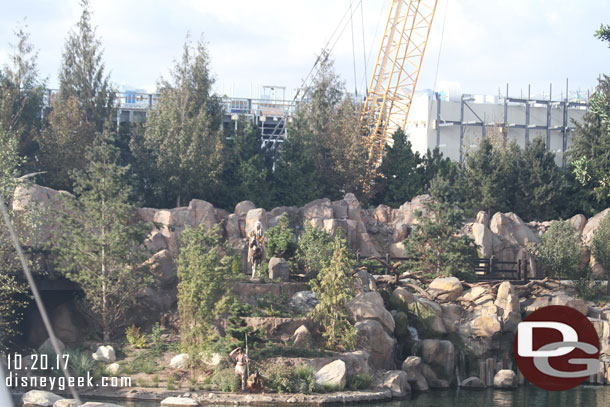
(303, 301)
(417, 381)
(370, 306)
(439, 355)
(372, 337)
(178, 402)
(473, 382)
(397, 382)
(302, 338)
(445, 289)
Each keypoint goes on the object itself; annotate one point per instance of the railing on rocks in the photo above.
(486, 269)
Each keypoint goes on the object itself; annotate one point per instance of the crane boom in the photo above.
(393, 83)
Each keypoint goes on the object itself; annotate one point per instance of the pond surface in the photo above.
(586, 396)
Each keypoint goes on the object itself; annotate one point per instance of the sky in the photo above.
(482, 45)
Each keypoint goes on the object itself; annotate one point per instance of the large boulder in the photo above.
(279, 269)
(163, 269)
(66, 403)
(397, 382)
(232, 227)
(179, 361)
(39, 398)
(412, 367)
(505, 379)
(320, 208)
(579, 222)
(364, 282)
(242, 208)
(302, 338)
(445, 289)
(430, 314)
(104, 354)
(202, 213)
(510, 227)
(332, 375)
(569, 301)
(485, 326)
(439, 354)
(508, 307)
(178, 402)
(373, 338)
(303, 301)
(256, 215)
(473, 382)
(452, 316)
(483, 238)
(47, 347)
(401, 298)
(370, 306)
(591, 226)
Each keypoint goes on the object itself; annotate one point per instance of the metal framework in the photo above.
(393, 83)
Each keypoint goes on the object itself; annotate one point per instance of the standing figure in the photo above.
(241, 361)
(256, 248)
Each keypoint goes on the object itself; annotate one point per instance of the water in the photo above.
(586, 396)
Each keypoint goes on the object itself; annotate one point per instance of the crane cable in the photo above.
(440, 47)
(353, 47)
(37, 297)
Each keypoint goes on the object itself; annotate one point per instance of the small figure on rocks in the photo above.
(241, 362)
(256, 384)
(256, 249)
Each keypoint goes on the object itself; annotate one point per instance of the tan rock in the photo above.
(373, 338)
(398, 383)
(370, 306)
(512, 229)
(591, 226)
(256, 215)
(333, 375)
(485, 326)
(445, 288)
(242, 208)
(320, 208)
(505, 379)
(483, 239)
(579, 222)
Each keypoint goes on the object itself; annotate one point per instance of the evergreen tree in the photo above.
(21, 97)
(324, 154)
(540, 187)
(246, 169)
(603, 33)
(100, 241)
(180, 154)
(436, 245)
(601, 246)
(559, 251)
(401, 177)
(81, 107)
(281, 241)
(590, 149)
(204, 286)
(314, 250)
(333, 291)
(12, 293)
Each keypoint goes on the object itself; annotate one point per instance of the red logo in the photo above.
(556, 348)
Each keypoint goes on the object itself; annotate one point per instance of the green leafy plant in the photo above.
(135, 337)
(155, 338)
(226, 379)
(559, 251)
(601, 246)
(314, 250)
(359, 381)
(281, 240)
(333, 290)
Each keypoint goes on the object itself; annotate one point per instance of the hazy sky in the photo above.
(486, 43)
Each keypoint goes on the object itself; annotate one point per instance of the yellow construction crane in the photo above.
(393, 83)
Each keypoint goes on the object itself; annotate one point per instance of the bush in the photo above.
(314, 250)
(226, 379)
(559, 251)
(135, 337)
(601, 246)
(281, 241)
(359, 381)
(284, 379)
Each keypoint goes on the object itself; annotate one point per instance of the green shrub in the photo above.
(314, 250)
(155, 339)
(135, 337)
(303, 379)
(80, 362)
(226, 379)
(279, 378)
(359, 381)
(171, 383)
(281, 240)
(601, 246)
(559, 251)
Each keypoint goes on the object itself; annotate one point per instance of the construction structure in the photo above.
(392, 86)
(456, 122)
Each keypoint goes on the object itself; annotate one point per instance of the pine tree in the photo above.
(100, 242)
(80, 109)
(590, 149)
(21, 97)
(204, 285)
(12, 293)
(333, 291)
(436, 245)
(601, 246)
(325, 154)
(402, 176)
(180, 153)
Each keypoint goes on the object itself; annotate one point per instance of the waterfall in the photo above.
(413, 332)
(457, 375)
